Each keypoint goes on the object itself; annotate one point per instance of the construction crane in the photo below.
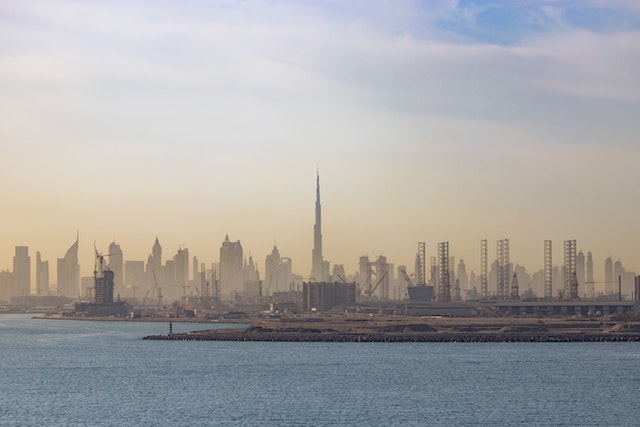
(367, 283)
(371, 291)
(155, 281)
(407, 279)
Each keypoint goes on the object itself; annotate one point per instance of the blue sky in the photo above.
(431, 121)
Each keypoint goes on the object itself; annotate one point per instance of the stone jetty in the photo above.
(408, 329)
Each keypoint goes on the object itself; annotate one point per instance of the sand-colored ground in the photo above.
(407, 328)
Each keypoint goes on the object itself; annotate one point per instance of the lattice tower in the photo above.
(422, 260)
(570, 292)
(503, 268)
(483, 270)
(444, 286)
(548, 270)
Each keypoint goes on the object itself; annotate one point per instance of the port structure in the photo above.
(570, 278)
(484, 279)
(503, 268)
(444, 286)
(548, 270)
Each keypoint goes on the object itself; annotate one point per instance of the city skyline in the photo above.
(601, 280)
(439, 122)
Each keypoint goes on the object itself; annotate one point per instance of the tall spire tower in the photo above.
(316, 260)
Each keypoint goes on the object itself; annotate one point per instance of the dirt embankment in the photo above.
(412, 329)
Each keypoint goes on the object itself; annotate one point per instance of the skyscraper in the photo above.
(462, 275)
(42, 275)
(589, 280)
(22, 271)
(116, 264)
(589, 275)
(154, 262)
(580, 268)
(273, 276)
(231, 266)
(181, 267)
(316, 255)
(608, 276)
(69, 272)
(382, 277)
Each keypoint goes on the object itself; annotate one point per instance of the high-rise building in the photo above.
(608, 276)
(382, 277)
(589, 278)
(286, 272)
(316, 255)
(338, 274)
(231, 266)
(272, 270)
(250, 271)
(134, 273)
(484, 275)
(364, 274)
(277, 272)
(181, 267)
(154, 262)
(6, 286)
(580, 268)
(116, 265)
(42, 275)
(462, 275)
(195, 270)
(22, 271)
(69, 273)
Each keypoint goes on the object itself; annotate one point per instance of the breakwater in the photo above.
(406, 329)
(394, 338)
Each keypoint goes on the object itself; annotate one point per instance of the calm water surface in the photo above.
(101, 373)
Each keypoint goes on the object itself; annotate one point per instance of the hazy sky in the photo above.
(429, 121)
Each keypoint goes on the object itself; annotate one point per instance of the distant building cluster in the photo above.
(236, 279)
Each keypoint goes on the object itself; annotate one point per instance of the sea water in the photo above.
(57, 373)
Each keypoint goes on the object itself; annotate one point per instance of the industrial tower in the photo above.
(503, 268)
(484, 280)
(548, 270)
(422, 263)
(444, 286)
(570, 282)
